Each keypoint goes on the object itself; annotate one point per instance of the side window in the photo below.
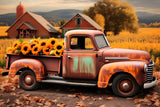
(81, 43)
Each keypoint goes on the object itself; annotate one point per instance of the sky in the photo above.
(9, 6)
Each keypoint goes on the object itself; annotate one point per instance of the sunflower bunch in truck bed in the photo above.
(37, 47)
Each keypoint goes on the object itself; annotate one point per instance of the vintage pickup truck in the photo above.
(126, 71)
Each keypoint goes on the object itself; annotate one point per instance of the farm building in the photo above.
(28, 25)
(80, 21)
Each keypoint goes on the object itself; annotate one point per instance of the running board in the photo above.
(69, 82)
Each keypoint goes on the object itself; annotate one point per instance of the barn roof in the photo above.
(43, 22)
(88, 19)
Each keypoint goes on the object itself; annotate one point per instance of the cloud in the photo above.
(151, 6)
(7, 6)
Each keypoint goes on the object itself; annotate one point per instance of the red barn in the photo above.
(80, 21)
(28, 25)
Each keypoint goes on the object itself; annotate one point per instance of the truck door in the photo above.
(81, 58)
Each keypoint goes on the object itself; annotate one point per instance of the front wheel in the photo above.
(28, 81)
(125, 85)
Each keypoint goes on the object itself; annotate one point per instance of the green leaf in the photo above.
(21, 41)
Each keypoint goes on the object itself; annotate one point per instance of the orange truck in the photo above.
(87, 60)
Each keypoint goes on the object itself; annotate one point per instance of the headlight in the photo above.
(145, 68)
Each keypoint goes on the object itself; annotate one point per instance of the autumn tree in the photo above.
(100, 20)
(62, 22)
(118, 15)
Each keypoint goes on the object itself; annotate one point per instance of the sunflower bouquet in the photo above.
(37, 47)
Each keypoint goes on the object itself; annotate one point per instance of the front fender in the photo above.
(134, 68)
(35, 65)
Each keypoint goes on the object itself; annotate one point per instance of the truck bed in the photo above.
(51, 63)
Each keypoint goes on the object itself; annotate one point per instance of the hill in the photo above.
(148, 18)
(57, 15)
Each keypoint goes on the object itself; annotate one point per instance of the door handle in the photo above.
(69, 57)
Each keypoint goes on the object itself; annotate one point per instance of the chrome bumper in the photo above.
(151, 84)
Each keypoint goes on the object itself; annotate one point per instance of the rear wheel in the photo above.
(125, 85)
(28, 81)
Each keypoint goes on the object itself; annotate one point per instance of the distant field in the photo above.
(2, 30)
(147, 39)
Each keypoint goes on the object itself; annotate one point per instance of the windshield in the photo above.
(101, 41)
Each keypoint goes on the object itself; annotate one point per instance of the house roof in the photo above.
(28, 25)
(40, 20)
(88, 19)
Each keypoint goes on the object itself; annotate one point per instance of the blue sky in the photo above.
(9, 6)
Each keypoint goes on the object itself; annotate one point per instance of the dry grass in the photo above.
(3, 30)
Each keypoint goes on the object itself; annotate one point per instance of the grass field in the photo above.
(3, 30)
(147, 39)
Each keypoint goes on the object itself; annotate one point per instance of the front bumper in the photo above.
(151, 84)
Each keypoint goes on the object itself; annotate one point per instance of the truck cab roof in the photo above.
(88, 32)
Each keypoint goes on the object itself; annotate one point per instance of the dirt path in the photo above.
(54, 95)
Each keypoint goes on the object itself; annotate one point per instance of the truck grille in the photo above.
(149, 72)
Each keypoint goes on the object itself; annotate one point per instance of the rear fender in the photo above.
(134, 68)
(35, 65)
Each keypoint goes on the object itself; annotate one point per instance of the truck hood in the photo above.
(125, 54)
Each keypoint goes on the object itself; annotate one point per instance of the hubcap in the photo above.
(125, 86)
(28, 80)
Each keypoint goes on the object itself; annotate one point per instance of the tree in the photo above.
(118, 15)
(62, 22)
(143, 25)
(154, 25)
(100, 20)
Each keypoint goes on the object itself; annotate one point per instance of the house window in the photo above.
(78, 21)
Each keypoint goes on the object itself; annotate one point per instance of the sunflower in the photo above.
(62, 42)
(25, 49)
(24, 43)
(16, 45)
(52, 41)
(47, 49)
(43, 43)
(36, 40)
(10, 50)
(33, 44)
(58, 53)
(59, 46)
(36, 49)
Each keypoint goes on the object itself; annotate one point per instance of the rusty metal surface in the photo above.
(123, 54)
(135, 68)
(80, 64)
(36, 66)
(51, 63)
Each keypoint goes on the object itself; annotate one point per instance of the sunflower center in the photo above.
(43, 44)
(53, 42)
(47, 50)
(15, 45)
(35, 49)
(25, 48)
(32, 45)
(58, 53)
(59, 47)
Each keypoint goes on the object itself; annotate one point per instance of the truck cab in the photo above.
(88, 60)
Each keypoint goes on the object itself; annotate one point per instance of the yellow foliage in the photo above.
(157, 63)
(3, 30)
(100, 20)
